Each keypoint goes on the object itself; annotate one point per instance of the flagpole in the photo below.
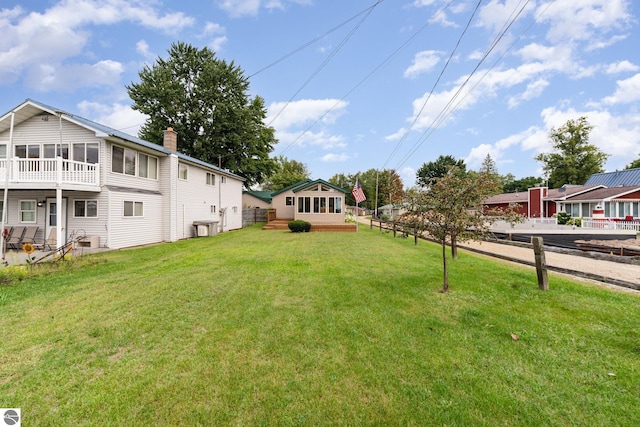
(357, 221)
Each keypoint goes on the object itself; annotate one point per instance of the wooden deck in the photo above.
(282, 224)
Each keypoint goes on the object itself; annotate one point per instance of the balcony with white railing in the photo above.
(49, 171)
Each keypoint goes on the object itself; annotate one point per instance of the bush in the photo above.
(299, 226)
(563, 217)
(575, 221)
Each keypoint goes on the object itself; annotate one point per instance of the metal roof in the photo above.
(605, 193)
(623, 178)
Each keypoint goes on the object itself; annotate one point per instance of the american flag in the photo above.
(358, 194)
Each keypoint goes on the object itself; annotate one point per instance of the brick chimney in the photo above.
(170, 140)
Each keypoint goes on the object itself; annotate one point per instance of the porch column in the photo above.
(59, 225)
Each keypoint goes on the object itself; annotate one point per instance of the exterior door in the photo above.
(52, 219)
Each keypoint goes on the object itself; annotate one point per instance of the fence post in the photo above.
(541, 264)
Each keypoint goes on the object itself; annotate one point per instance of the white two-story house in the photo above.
(63, 172)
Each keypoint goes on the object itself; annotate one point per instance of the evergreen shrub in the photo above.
(299, 226)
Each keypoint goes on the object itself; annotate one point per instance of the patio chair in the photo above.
(51, 240)
(29, 235)
(15, 237)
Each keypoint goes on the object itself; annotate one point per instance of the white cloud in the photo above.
(69, 77)
(423, 62)
(322, 140)
(118, 116)
(622, 67)
(40, 45)
(494, 14)
(586, 20)
(284, 116)
(334, 158)
(238, 8)
(478, 154)
(408, 176)
(142, 47)
(534, 90)
(627, 91)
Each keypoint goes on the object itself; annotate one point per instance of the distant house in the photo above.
(61, 172)
(392, 211)
(256, 199)
(314, 201)
(602, 196)
(611, 203)
(318, 202)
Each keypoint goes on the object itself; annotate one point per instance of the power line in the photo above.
(448, 110)
(327, 60)
(313, 41)
(424, 104)
(369, 75)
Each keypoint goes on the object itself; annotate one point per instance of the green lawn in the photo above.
(274, 328)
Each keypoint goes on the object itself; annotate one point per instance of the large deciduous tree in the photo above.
(451, 210)
(429, 172)
(206, 101)
(512, 185)
(287, 172)
(574, 159)
(634, 164)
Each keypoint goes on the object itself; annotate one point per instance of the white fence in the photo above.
(546, 221)
(606, 224)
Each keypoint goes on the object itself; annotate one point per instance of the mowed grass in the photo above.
(260, 327)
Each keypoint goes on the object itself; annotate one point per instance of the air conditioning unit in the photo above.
(203, 230)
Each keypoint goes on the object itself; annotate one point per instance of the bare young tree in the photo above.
(451, 211)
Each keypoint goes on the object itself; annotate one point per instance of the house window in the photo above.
(85, 208)
(133, 208)
(304, 204)
(323, 205)
(289, 201)
(235, 209)
(3, 151)
(183, 171)
(1, 208)
(85, 152)
(316, 204)
(211, 179)
(223, 179)
(27, 151)
(49, 151)
(28, 211)
(607, 209)
(123, 160)
(335, 205)
(147, 166)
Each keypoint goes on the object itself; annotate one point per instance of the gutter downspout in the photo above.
(6, 185)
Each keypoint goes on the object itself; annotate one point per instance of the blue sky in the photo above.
(359, 84)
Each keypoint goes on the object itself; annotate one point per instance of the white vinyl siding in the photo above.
(148, 228)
